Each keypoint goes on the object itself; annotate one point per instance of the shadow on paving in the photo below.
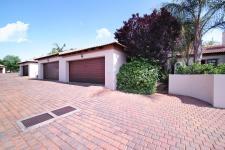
(161, 90)
(71, 83)
(193, 101)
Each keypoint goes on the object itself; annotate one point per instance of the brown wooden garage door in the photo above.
(51, 71)
(25, 70)
(1, 69)
(88, 70)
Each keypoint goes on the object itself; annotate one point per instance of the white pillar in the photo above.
(63, 70)
(21, 71)
(40, 71)
(109, 73)
(33, 70)
(223, 38)
(119, 59)
(3, 70)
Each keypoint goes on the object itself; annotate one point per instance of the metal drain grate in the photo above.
(64, 110)
(36, 120)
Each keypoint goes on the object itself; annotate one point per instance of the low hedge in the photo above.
(220, 69)
(137, 76)
(201, 69)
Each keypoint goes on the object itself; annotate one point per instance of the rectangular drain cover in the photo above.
(36, 120)
(64, 110)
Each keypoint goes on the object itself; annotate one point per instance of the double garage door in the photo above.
(87, 71)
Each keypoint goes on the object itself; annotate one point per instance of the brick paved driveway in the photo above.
(107, 120)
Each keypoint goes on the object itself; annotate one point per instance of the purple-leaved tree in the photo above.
(151, 36)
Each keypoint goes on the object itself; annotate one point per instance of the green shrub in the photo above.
(137, 76)
(220, 69)
(201, 69)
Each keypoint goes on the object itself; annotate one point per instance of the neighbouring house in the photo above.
(2, 69)
(214, 55)
(98, 65)
(211, 55)
(29, 68)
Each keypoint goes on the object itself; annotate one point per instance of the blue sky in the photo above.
(29, 28)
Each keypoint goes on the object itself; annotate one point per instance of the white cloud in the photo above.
(103, 33)
(14, 32)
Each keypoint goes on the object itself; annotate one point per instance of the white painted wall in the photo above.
(119, 58)
(63, 70)
(40, 71)
(219, 91)
(32, 70)
(208, 88)
(223, 38)
(198, 86)
(21, 70)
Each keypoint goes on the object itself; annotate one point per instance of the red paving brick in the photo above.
(106, 120)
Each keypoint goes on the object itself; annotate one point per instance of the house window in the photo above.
(203, 62)
(212, 61)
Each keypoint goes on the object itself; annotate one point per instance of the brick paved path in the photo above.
(107, 120)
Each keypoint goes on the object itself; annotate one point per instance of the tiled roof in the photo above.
(214, 49)
(211, 50)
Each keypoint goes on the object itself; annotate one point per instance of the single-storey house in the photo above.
(98, 65)
(214, 55)
(2, 68)
(211, 54)
(28, 68)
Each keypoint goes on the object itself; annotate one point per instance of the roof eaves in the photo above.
(90, 48)
(28, 61)
(47, 56)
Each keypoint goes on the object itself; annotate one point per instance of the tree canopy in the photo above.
(57, 49)
(151, 36)
(185, 42)
(1, 62)
(202, 15)
(11, 63)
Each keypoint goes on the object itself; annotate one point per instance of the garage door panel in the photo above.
(25, 70)
(51, 71)
(89, 71)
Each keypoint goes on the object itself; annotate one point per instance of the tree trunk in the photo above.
(188, 58)
(197, 47)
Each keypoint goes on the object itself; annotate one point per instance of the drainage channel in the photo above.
(38, 120)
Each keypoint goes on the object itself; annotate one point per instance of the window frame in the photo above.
(212, 61)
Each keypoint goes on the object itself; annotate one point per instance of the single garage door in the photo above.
(25, 70)
(1, 69)
(88, 71)
(51, 71)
